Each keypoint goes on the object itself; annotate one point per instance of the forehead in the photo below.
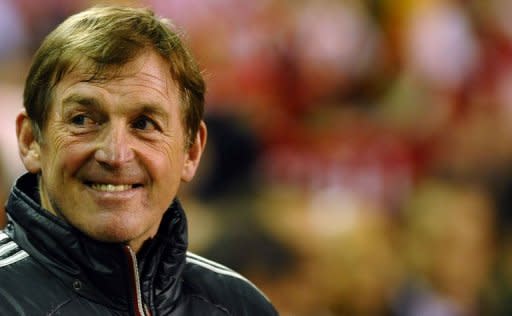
(147, 76)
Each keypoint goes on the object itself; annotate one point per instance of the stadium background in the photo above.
(359, 159)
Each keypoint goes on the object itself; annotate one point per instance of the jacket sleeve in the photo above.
(226, 288)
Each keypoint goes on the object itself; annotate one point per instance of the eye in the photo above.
(81, 120)
(145, 123)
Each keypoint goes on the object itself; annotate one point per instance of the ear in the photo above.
(28, 147)
(194, 154)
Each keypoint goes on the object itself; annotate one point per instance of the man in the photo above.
(112, 126)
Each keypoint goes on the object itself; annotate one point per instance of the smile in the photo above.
(111, 187)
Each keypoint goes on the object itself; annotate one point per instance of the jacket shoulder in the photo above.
(26, 288)
(10, 252)
(225, 288)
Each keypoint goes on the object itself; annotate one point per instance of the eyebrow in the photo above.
(149, 108)
(81, 100)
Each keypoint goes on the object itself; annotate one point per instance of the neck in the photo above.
(43, 197)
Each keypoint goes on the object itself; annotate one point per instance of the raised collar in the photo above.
(100, 269)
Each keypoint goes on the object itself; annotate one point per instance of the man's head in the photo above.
(104, 39)
(113, 122)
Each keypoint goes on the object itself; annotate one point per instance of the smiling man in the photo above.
(112, 126)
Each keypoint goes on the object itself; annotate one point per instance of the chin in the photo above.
(115, 233)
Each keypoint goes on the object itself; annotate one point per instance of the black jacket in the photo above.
(49, 268)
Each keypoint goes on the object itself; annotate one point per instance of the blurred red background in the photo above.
(360, 149)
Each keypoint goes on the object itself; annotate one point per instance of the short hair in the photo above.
(105, 38)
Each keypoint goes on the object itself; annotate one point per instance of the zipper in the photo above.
(139, 308)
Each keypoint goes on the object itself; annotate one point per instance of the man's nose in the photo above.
(114, 147)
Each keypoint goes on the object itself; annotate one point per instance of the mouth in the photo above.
(109, 187)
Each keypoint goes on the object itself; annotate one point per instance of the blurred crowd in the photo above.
(359, 155)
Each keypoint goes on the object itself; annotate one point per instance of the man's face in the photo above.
(113, 153)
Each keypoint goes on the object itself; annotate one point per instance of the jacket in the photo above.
(47, 267)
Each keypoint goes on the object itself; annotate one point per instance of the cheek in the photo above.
(164, 163)
(65, 157)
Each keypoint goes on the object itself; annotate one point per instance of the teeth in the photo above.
(111, 187)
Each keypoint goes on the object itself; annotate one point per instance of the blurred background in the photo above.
(359, 153)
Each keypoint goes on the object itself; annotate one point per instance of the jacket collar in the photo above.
(94, 269)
